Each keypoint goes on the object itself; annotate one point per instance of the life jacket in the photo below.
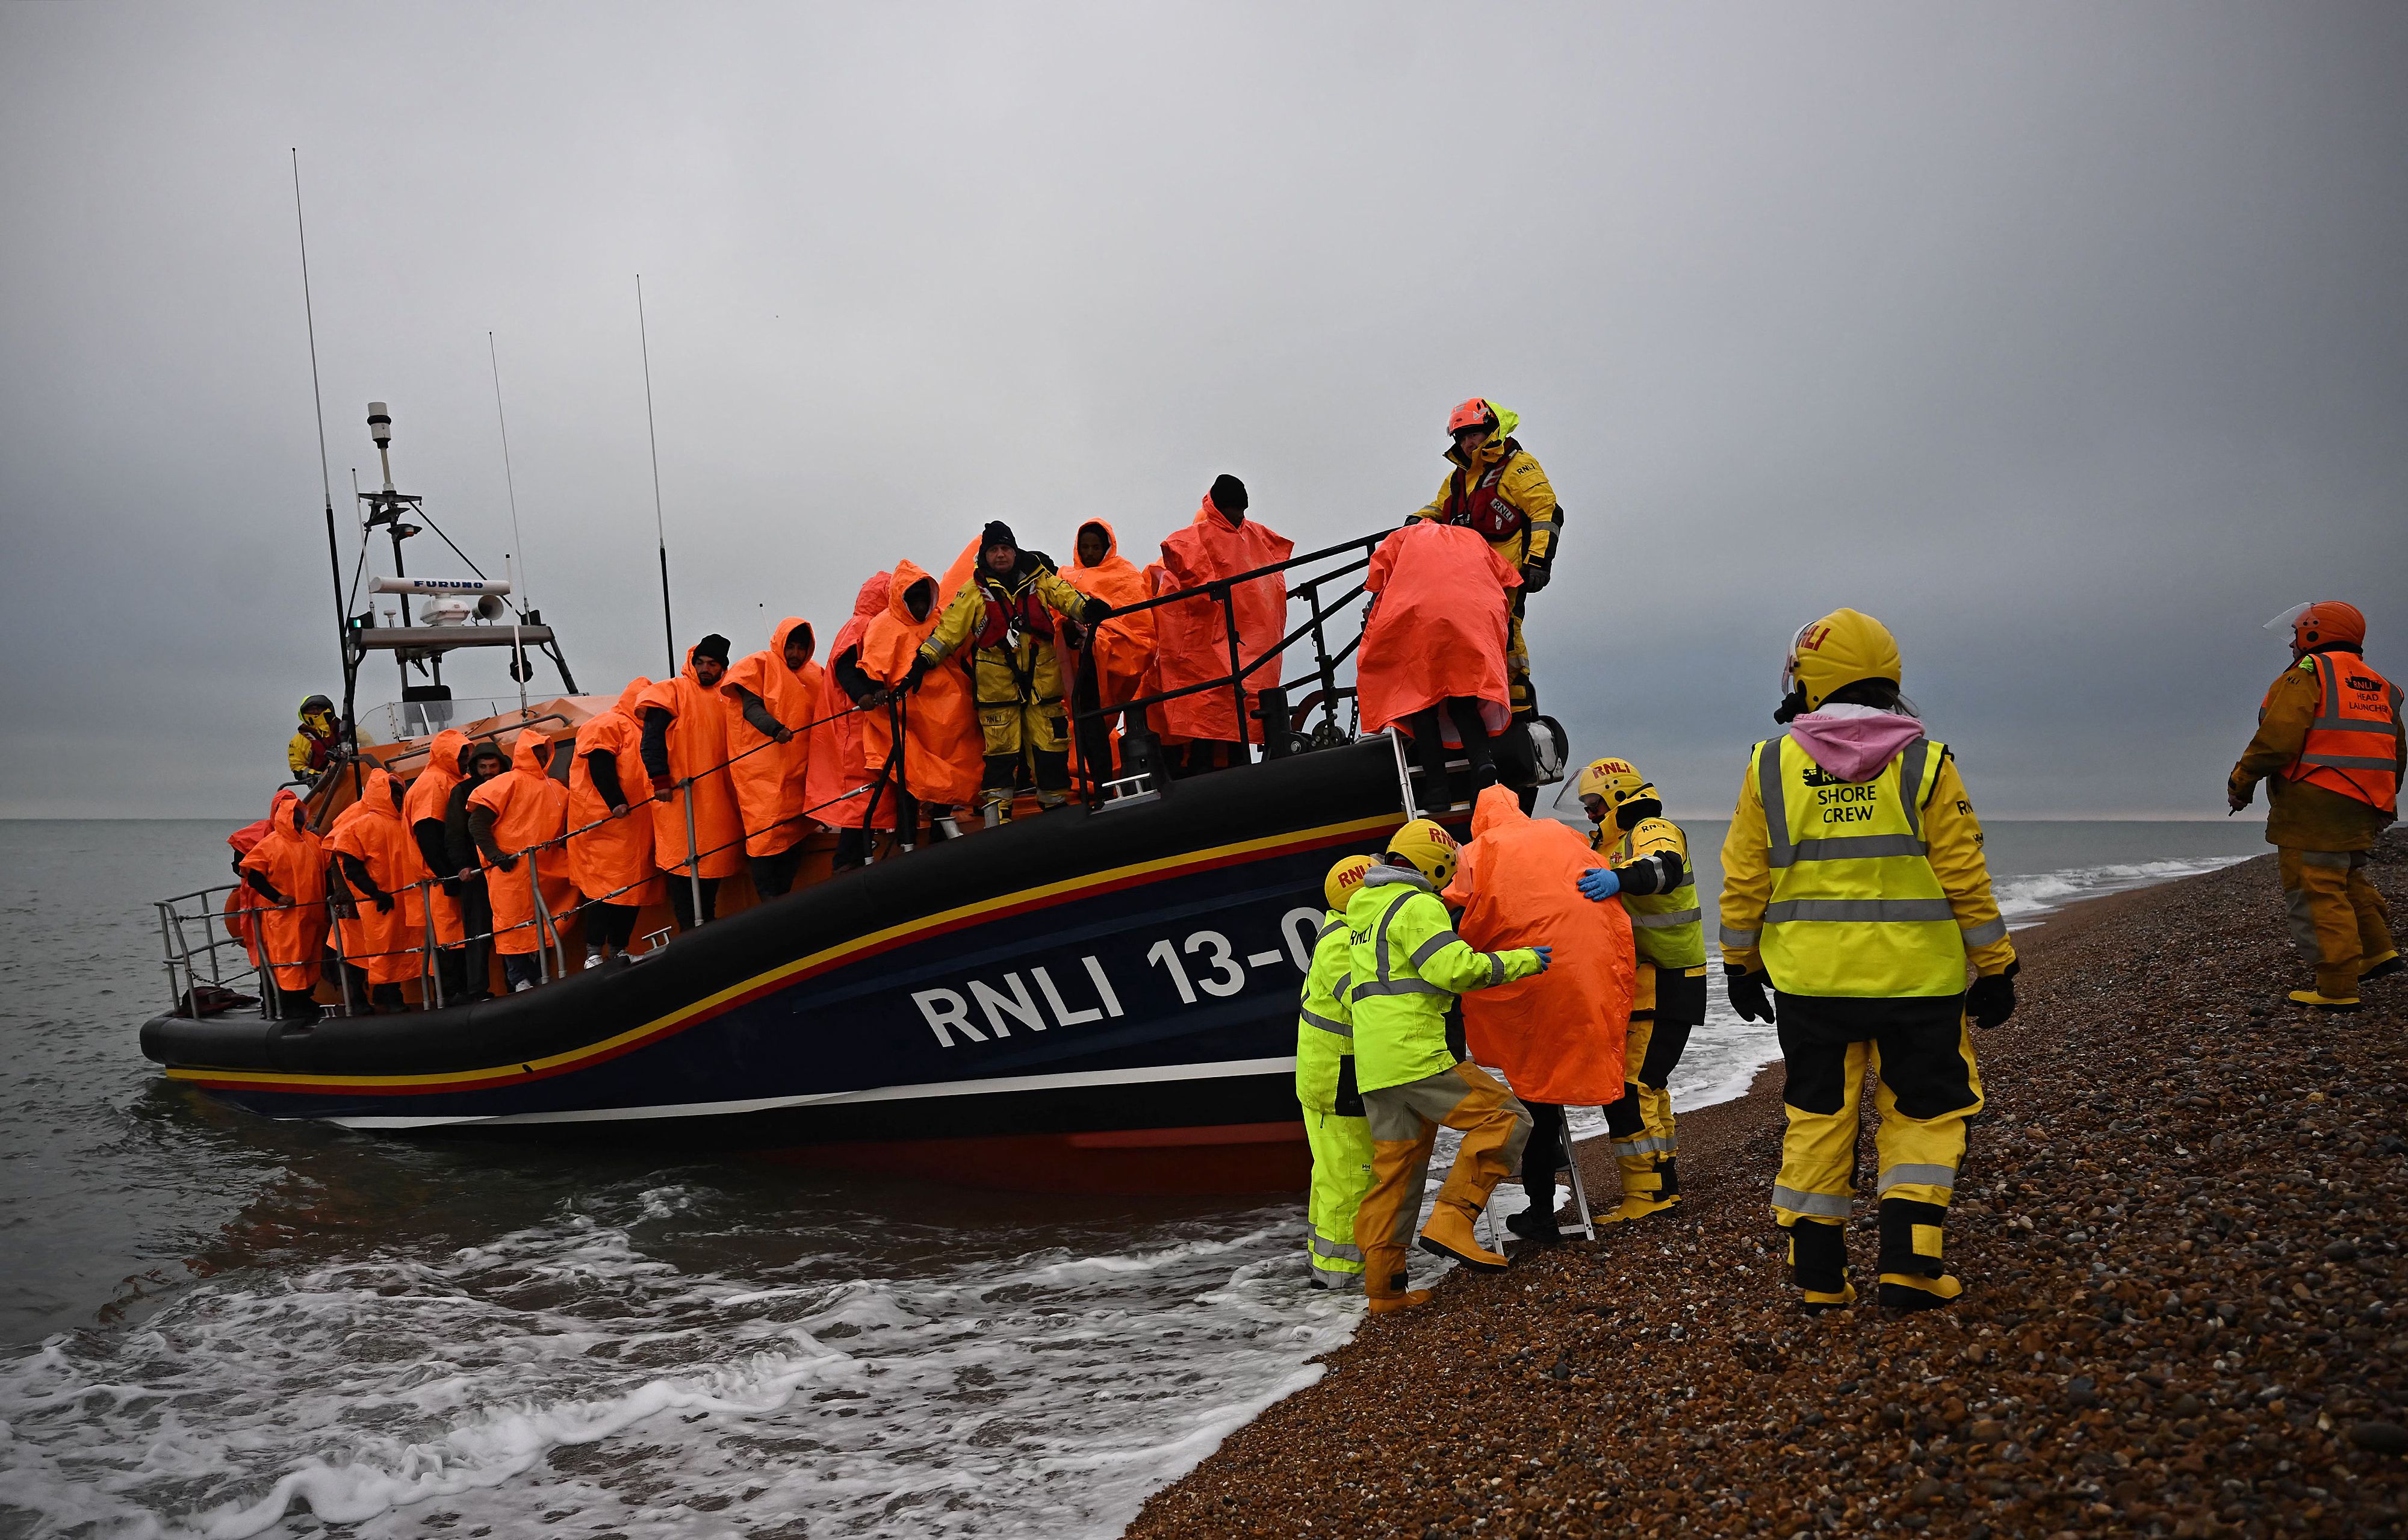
(1667, 927)
(1856, 911)
(1006, 608)
(1479, 503)
(2350, 746)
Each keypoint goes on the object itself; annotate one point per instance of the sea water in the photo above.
(213, 1325)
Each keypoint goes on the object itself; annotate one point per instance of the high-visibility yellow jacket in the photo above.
(1667, 927)
(1409, 966)
(1324, 1022)
(1867, 889)
(1520, 484)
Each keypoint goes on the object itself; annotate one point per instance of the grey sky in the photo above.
(2070, 340)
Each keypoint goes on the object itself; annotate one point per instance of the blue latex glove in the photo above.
(1546, 958)
(1596, 884)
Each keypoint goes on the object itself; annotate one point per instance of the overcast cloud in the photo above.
(2072, 340)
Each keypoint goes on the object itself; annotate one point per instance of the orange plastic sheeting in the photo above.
(1124, 645)
(612, 861)
(244, 898)
(698, 742)
(290, 857)
(1157, 582)
(1192, 637)
(1558, 1036)
(1438, 627)
(838, 763)
(943, 751)
(385, 944)
(529, 807)
(770, 777)
(430, 798)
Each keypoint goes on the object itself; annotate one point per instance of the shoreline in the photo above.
(2179, 1224)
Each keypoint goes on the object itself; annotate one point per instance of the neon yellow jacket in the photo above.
(1668, 929)
(1857, 954)
(1409, 966)
(1325, 1023)
(1524, 484)
(1029, 673)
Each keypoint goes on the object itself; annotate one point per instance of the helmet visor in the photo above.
(1789, 664)
(2289, 618)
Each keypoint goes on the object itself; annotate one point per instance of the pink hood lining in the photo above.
(1854, 742)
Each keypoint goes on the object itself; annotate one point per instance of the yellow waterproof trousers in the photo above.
(1404, 1122)
(1342, 1174)
(2339, 922)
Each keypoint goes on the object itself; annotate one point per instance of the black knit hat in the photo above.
(1229, 495)
(712, 646)
(997, 533)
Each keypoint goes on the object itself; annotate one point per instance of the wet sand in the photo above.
(2179, 1227)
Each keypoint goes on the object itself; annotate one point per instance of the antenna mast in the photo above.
(508, 483)
(325, 476)
(668, 627)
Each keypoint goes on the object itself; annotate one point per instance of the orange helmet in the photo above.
(1474, 414)
(2326, 621)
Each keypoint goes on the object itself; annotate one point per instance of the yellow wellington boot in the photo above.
(2379, 968)
(1383, 1304)
(1647, 1188)
(2317, 1000)
(1449, 1233)
(1913, 1292)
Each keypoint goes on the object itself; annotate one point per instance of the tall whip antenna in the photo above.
(326, 472)
(668, 627)
(508, 483)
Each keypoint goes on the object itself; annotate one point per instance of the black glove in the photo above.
(1992, 998)
(1746, 993)
(384, 903)
(505, 863)
(451, 887)
(1534, 577)
(1096, 612)
(919, 672)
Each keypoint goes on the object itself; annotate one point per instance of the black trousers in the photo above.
(476, 922)
(609, 925)
(1545, 1154)
(773, 876)
(681, 899)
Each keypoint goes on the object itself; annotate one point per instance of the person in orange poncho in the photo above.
(508, 817)
(1192, 637)
(611, 861)
(944, 757)
(1123, 646)
(1434, 648)
(380, 865)
(773, 711)
(242, 899)
(836, 789)
(685, 739)
(287, 869)
(1558, 1037)
(422, 810)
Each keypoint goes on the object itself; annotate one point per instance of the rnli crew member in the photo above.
(479, 763)
(287, 868)
(1409, 966)
(610, 811)
(1007, 614)
(1326, 1089)
(316, 747)
(2331, 750)
(422, 810)
(1192, 637)
(1647, 863)
(685, 754)
(773, 700)
(1497, 489)
(1855, 893)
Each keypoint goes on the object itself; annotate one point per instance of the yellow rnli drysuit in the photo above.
(1863, 901)
(1334, 1124)
(1504, 494)
(1409, 966)
(1016, 673)
(1659, 892)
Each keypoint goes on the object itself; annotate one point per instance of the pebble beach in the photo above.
(2180, 1229)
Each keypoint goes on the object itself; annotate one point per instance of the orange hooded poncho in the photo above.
(612, 861)
(244, 898)
(838, 764)
(1192, 637)
(945, 752)
(1436, 629)
(429, 799)
(1122, 645)
(384, 942)
(1558, 1037)
(528, 807)
(770, 789)
(292, 939)
(697, 743)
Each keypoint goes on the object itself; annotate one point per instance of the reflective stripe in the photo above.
(1741, 941)
(1847, 847)
(1496, 969)
(1649, 1145)
(1821, 1205)
(1860, 911)
(1379, 937)
(1331, 929)
(1345, 981)
(1776, 805)
(1542, 524)
(1333, 1249)
(1929, 1176)
(1431, 947)
(1989, 933)
(1396, 986)
(1341, 1028)
(2346, 761)
(1666, 920)
(2326, 858)
(1909, 790)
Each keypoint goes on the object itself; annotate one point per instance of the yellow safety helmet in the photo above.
(1427, 848)
(1344, 878)
(1615, 782)
(1836, 651)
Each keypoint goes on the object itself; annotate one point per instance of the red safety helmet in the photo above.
(1473, 414)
